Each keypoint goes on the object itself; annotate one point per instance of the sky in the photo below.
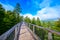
(44, 9)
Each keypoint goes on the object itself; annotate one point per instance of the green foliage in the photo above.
(2, 10)
(9, 18)
(27, 19)
(57, 23)
(21, 18)
(33, 21)
(38, 22)
(17, 11)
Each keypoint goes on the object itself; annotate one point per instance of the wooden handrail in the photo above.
(16, 29)
(33, 34)
(6, 34)
(49, 30)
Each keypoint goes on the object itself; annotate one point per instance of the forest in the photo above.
(9, 18)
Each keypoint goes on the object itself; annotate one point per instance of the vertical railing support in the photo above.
(33, 29)
(29, 25)
(18, 28)
(16, 31)
(50, 36)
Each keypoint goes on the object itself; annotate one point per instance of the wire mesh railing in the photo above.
(11, 34)
(40, 32)
(44, 33)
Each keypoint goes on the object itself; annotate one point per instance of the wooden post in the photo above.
(29, 25)
(33, 29)
(18, 28)
(50, 36)
(16, 31)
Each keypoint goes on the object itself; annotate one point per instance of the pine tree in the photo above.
(38, 22)
(27, 19)
(17, 11)
(2, 11)
(33, 21)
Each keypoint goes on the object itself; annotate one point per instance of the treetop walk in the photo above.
(27, 31)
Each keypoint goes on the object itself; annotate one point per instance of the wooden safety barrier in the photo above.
(50, 32)
(11, 34)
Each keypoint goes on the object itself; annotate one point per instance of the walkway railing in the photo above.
(11, 34)
(44, 33)
(40, 32)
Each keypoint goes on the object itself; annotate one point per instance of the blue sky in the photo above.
(44, 9)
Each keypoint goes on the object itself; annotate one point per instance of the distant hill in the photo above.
(55, 19)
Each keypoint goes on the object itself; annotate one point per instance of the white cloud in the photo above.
(48, 13)
(45, 3)
(45, 13)
(7, 6)
(30, 16)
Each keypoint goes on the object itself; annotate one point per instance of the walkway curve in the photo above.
(24, 33)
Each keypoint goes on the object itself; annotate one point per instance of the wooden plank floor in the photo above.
(25, 34)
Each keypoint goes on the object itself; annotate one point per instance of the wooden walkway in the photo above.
(21, 31)
(25, 34)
